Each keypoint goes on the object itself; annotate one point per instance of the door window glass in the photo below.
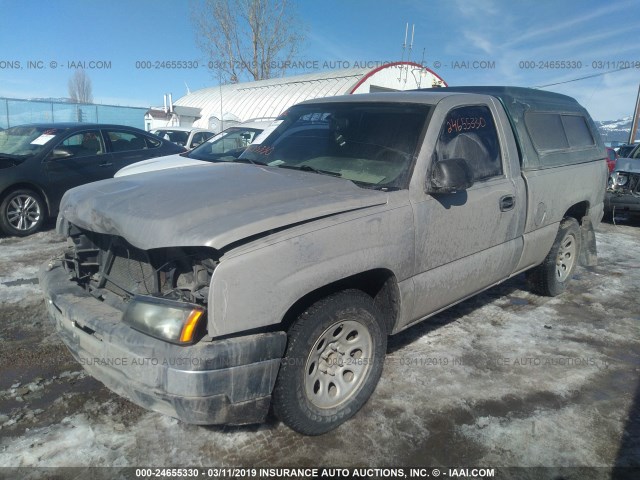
(84, 144)
(200, 138)
(122, 141)
(470, 133)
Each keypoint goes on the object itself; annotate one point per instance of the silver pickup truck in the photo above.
(210, 293)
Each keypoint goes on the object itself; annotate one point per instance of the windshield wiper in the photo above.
(11, 157)
(307, 168)
(247, 160)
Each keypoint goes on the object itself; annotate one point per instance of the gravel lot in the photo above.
(504, 379)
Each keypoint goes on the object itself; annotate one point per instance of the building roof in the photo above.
(268, 98)
(153, 113)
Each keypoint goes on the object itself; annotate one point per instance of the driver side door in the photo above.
(468, 240)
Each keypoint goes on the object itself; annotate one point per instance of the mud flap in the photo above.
(588, 252)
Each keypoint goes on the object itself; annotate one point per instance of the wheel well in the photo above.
(28, 186)
(578, 211)
(379, 284)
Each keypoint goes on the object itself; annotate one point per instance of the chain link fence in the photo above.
(18, 112)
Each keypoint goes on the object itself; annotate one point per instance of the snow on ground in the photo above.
(20, 260)
(504, 379)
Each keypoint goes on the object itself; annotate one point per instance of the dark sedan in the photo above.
(41, 162)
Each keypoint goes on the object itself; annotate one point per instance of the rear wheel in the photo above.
(22, 212)
(552, 276)
(333, 363)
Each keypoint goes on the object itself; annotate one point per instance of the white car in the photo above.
(225, 146)
(186, 137)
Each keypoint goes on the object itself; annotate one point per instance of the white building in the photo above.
(170, 116)
(222, 106)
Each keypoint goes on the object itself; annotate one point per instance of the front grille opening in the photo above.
(112, 269)
(130, 272)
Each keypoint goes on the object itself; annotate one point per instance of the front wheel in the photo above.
(22, 212)
(552, 276)
(333, 362)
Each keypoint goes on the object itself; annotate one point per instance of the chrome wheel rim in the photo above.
(566, 257)
(23, 212)
(338, 364)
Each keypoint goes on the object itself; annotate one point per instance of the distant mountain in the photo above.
(615, 130)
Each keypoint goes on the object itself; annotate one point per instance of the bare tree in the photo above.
(80, 89)
(247, 39)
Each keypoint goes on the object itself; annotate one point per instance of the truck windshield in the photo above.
(25, 141)
(374, 145)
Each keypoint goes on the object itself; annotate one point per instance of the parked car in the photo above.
(276, 279)
(624, 151)
(187, 137)
(42, 161)
(623, 188)
(612, 156)
(225, 146)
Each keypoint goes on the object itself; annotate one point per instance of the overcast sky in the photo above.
(495, 42)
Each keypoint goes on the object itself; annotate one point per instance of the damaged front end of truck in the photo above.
(133, 305)
(623, 188)
(133, 295)
(136, 320)
(162, 292)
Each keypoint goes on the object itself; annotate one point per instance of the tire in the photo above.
(551, 277)
(22, 212)
(333, 362)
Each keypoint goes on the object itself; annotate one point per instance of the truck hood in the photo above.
(629, 165)
(158, 163)
(212, 205)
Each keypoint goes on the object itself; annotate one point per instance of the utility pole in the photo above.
(634, 124)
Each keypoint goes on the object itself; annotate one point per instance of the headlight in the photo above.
(175, 322)
(621, 179)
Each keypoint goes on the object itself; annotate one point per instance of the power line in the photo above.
(581, 78)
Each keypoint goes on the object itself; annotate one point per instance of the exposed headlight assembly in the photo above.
(621, 179)
(169, 320)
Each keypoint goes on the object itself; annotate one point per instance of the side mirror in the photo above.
(450, 176)
(59, 153)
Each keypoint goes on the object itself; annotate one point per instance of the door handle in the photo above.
(507, 203)
(105, 164)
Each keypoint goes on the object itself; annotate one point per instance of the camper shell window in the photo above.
(578, 134)
(546, 131)
(556, 131)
